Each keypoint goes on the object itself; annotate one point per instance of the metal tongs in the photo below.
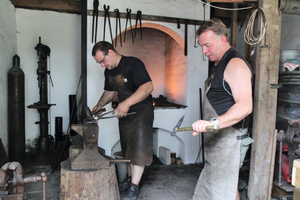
(92, 115)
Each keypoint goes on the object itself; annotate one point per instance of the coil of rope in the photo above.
(249, 36)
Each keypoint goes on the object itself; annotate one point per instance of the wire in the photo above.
(245, 8)
(249, 32)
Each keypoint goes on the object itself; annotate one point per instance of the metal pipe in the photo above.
(280, 164)
(289, 6)
(83, 58)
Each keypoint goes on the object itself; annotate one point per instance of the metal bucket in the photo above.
(121, 167)
(287, 54)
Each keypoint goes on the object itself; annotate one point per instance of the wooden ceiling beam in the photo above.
(230, 1)
(69, 6)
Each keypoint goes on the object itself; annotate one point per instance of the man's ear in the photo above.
(223, 39)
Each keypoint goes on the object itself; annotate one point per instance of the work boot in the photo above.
(125, 184)
(132, 193)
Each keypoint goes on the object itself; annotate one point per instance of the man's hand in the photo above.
(200, 126)
(97, 109)
(122, 109)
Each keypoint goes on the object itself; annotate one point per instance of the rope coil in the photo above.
(249, 36)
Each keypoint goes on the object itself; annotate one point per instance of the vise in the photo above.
(17, 181)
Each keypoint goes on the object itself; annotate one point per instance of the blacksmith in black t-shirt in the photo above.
(127, 79)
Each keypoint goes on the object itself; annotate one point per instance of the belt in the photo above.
(240, 137)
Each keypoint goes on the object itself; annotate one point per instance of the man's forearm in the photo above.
(106, 97)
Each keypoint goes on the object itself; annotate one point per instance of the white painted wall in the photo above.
(61, 32)
(8, 48)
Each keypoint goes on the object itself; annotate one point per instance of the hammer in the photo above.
(176, 128)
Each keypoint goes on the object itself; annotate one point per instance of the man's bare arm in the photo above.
(106, 97)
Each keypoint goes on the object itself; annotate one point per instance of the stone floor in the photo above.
(159, 182)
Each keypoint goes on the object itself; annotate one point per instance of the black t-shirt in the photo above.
(133, 71)
(220, 95)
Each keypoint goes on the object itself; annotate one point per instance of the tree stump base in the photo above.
(98, 184)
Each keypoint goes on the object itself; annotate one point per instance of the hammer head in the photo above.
(177, 126)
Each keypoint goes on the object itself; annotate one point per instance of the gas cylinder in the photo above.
(16, 112)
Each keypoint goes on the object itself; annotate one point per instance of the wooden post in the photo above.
(234, 26)
(265, 103)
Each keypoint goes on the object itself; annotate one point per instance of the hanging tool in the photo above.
(203, 56)
(176, 128)
(178, 24)
(195, 45)
(107, 15)
(95, 15)
(118, 20)
(138, 18)
(128, 18)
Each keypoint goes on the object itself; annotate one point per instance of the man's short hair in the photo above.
(215, 25)
(102, 46)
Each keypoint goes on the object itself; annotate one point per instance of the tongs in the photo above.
(91, 115)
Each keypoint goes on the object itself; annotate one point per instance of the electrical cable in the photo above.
(245, 8)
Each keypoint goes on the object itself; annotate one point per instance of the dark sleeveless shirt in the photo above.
(220, 95)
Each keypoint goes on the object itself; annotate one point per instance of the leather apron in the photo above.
(219, 177)
(136, 130)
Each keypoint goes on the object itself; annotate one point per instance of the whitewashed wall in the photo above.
(62, 33)
(8, 48)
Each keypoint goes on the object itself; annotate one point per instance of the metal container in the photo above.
(121, 167)
(287, 54)
(289, 6)
(288, 105)
(16, 112)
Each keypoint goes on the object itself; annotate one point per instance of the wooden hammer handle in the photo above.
(212, 127)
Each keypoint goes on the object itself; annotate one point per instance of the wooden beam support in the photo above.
(230, 1)
(234, 26)
(69, 6)
(265, 103)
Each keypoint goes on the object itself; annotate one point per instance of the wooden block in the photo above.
(296, 173)
(296, 194)
(100, 184)
(296, 163)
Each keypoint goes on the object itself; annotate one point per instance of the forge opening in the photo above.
(162, 51)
